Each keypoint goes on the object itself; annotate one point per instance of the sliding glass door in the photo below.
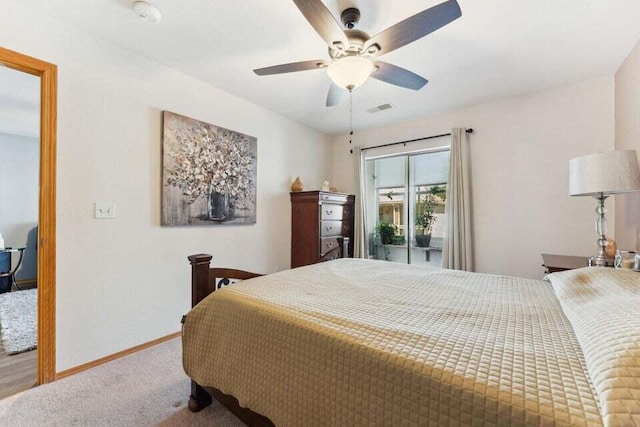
(387, 208)
(405, 197)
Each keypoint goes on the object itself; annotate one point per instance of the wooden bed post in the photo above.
(200, 264)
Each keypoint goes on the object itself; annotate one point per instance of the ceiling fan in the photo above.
(353, 52)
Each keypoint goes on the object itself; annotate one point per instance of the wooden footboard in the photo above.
(204, 281)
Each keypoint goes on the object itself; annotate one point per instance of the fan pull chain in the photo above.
(350, 114)
(350, 118)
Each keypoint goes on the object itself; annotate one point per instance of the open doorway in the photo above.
(19, 190)
(27, 221)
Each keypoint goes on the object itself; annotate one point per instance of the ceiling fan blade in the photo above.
(414, 27)
(292, 67)
(398, 76)
(322, 21)
(335, 96)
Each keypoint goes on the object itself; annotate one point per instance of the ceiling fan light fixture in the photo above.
(350, 72)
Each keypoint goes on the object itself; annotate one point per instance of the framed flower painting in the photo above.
(209, 173)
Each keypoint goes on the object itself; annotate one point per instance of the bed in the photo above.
(360, 342)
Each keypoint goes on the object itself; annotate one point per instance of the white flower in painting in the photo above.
(211, 158)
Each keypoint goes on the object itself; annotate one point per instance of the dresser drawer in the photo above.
(331, 212)
(328, 244)
(334, 254)
(330, 228)
(334, 228)
(335, 198)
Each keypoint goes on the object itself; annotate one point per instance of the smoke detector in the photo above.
(147, 12)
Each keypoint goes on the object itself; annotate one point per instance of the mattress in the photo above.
(359, 342)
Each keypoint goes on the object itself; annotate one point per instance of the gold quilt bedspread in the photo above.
(355, 343)
(603, 306)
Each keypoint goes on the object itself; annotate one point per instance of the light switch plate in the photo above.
(105, 210)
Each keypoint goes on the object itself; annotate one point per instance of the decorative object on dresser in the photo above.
(554, 263)
(321, 227)
(610, 248)
(296, 187)
(627, 259)
(601, 175)
(209, 173)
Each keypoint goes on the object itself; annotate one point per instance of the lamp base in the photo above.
(599, 261)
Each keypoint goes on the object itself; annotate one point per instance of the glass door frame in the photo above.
(405, 213)
(409, 199)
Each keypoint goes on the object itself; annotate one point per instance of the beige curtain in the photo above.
(360, 249)
(457, 251)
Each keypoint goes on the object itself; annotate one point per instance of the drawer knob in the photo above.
(329, 212)
(328, 228)
(330, 244)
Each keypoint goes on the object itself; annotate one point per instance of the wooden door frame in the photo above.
(48, 74)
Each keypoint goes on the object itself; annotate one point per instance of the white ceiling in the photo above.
(19, 103)
(497, 49)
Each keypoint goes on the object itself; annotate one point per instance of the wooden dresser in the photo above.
(321, 227)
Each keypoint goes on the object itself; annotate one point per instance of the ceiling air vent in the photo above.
(379, 108)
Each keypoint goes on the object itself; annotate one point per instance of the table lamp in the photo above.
(601, 175)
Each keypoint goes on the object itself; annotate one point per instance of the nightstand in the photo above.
(555, 263)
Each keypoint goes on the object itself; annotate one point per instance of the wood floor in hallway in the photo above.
(17, 372)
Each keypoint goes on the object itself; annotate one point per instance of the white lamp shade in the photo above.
(604, 173)
(350, 72)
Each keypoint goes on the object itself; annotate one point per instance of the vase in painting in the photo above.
(218, 204)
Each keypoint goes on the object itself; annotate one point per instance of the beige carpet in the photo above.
(148, 388)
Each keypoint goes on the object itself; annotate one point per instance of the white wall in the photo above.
(19, 103)
(19, 172)
(628, 138)
(126, 281)
(520, 154)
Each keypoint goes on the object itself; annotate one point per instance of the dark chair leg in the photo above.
(15, 284)
(199, 398)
